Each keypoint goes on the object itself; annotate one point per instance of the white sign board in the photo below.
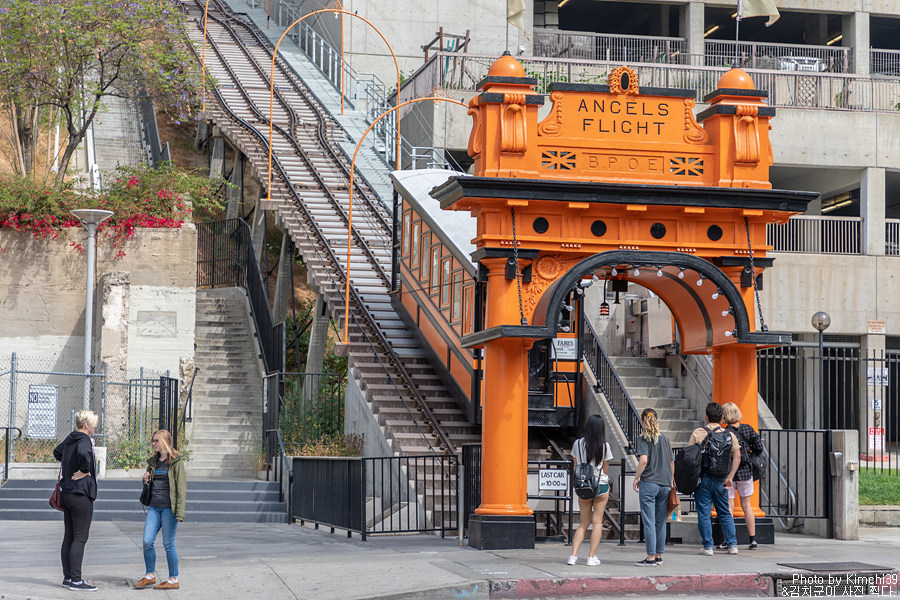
(42, 401)
(876, 327)
(877, 376)
(876, 438)
(565, 348)
(553, 479)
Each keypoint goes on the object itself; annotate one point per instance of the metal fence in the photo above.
(781, 57)
(789, 89)
(800, 487)
(805, 389)
(584, 45)
(816, 235)
(225, 258)
(304, 407)
(892, 237)
(42, 395)
(884, 62)
(381, 495)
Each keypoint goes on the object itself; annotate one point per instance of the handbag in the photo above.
(145, 495)
(56, 497)
(674, 502)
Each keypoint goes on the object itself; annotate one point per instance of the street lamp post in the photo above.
(90, 218)
(821, 321)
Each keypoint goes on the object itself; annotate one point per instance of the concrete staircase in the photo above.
(215, 500)
(651, 384)
(227, 403)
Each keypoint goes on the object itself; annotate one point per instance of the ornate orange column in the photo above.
(504, 513)
(735, 378)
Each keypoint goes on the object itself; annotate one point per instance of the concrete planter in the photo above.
(879, 516)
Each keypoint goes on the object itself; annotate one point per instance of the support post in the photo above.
(283, 289)
(236, 193)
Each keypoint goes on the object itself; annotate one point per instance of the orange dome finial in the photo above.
(736, 79)
(506, 66)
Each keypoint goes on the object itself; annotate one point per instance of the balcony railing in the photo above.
(794, 89)
(816, 235)
(884, 63)
(892, 237)
(780, 57)
(584, 45)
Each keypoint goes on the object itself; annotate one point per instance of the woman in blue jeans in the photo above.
(165, 474)
(652, 481)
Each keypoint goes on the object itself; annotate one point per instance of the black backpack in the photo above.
(756, 460)
(585, 484)
(688, 469)
(717, 453)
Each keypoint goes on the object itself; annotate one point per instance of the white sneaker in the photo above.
(572, 560)
(706, 551)
(593, 561)
(733, 550)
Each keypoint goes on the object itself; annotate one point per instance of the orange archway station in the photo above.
(627, 184)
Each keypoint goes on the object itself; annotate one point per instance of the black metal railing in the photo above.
(311, 406)
(801, 488)
(7, 432)
(282, 470)
(168, 407)
(225, 258)
(377, 495)
(609, 384)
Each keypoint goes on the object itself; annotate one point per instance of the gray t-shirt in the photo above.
(659, 456)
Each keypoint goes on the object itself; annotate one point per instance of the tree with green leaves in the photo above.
(59, 59)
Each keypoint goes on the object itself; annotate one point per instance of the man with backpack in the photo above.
(721, 458)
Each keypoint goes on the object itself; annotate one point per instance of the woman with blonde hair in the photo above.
(653, 480)
(78, 490)
(594, 449)
(168, 483)
(743, 479)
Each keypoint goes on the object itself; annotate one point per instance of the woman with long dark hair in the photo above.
(168, 483)
(593, 449)
(652, 481)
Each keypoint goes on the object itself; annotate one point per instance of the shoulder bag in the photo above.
(56, 496)
(146, 492)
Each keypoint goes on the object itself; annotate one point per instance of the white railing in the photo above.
(584, 45)
(794, 89)
(780, 57)
(816, 235)
(892, 237)
(884, 63)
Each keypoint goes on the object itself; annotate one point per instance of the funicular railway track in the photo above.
(310, 187)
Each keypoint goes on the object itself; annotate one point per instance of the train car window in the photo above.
(414, 259)
(406, 218)
(467, 310)
(445, 282)
(435, 268)
(455, 312)
(426, 244)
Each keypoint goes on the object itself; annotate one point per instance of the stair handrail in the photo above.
(281, 469)
(609, 384)
(357, 302)
(188, 413)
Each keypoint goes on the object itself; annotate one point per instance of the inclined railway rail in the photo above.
(310, 185)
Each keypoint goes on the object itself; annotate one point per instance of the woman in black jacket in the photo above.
(78, 490)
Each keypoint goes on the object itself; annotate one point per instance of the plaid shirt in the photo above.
(750, 442)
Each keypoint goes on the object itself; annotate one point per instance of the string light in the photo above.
(716, 293)
(681, 273)
(659, 271)
(637, 272)
(700, 281)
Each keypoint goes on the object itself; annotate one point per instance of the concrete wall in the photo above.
(148, 319)
(852, 289)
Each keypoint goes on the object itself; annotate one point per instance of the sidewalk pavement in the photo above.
(220, 561)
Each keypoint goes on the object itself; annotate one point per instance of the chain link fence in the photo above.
(40, 396)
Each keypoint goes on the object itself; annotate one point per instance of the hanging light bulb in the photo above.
(594, 278)
(716, 293)
(566, 307)
(614, 272)
(700, 281)
(725, 313)
(681, 273)
(729, 333)
(637, 272)
(659, 271)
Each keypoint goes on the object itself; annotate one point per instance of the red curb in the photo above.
(730, 584)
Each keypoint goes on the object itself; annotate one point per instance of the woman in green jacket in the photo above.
(165, 474)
